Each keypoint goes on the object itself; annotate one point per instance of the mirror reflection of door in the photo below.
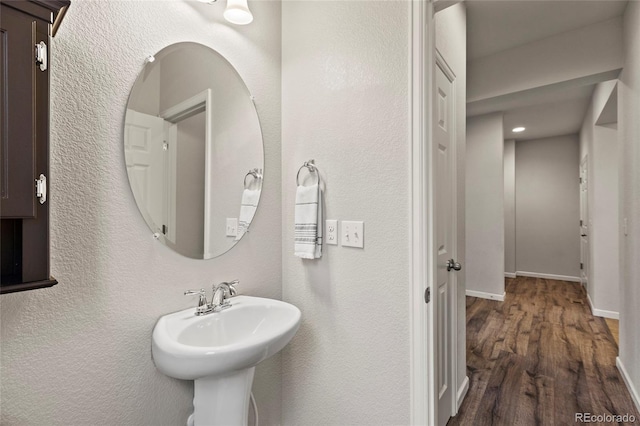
(146, 162)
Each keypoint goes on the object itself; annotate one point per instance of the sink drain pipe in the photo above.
(190, 421)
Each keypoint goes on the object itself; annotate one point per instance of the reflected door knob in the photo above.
(452, 264)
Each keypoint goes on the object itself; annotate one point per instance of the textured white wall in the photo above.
(548, 206)
(345, 74)
(79, 353)
(601, 145)
(629, 128)
(510, 206)
(578, 53)
(485, 204)
(451, 42)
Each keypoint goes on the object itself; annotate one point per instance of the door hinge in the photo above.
(580, 180)
(581, 265)
(41, 188)
(41, 55)
(427, 295)
(580, 222)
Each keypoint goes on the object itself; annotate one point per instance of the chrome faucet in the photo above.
(222, 293)
(220, 300)
(203, 306)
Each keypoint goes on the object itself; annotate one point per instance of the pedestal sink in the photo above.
(219, 351)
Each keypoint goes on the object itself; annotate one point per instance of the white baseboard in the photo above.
(462, 392)
(483, 295)
(627, 381)
(601, 312)
(548, 276)
(509, 275)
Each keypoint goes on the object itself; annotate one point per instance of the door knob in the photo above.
(452, 264)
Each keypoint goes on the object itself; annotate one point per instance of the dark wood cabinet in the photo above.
(26, 27)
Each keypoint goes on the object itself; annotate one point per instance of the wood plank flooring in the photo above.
(539, 357)
(614, 328)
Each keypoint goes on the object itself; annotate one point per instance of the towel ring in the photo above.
(256, 173)
(310, 165)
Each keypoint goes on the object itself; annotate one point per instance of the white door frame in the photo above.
(422, 263)
(422, 361)
(201, 102)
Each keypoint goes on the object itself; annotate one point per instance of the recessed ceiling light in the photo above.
(518, 129)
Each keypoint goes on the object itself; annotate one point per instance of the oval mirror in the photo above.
(193, 150)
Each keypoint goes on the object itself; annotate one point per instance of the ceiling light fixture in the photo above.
(237, 12)
(518, 129)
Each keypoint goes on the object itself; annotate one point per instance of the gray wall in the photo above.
(79, 353)
(510, 206)
(190, 159)
(548, 206)
(485, 205)
(629, 128)
(345, 96)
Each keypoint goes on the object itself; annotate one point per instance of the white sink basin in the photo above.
(186, 346)
(220, 351)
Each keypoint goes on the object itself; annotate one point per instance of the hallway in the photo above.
(539, 357)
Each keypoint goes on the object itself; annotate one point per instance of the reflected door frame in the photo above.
(202, 102)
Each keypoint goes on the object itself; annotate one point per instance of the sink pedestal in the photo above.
(222, 400)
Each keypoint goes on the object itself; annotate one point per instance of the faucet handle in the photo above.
(232, 287)
(202, 301)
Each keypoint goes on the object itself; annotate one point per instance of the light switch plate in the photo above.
(332, 232)
(232, 227)
(352, 233)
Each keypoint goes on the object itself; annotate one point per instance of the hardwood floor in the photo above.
(614, 328)
(539, 357)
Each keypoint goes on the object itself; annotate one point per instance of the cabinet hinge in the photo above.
(41, 188)
(41, 55)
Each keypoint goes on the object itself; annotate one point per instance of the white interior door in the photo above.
(444, 232)
(146, 164)
(584, 223)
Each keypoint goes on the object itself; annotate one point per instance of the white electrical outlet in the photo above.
(332, 232)
(352, 233)
(232, 227)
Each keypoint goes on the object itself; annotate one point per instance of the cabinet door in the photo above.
(18, 75)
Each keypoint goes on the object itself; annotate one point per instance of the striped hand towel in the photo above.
(248, 208)
(308, 222)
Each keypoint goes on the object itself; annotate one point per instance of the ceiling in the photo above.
(495, 26)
